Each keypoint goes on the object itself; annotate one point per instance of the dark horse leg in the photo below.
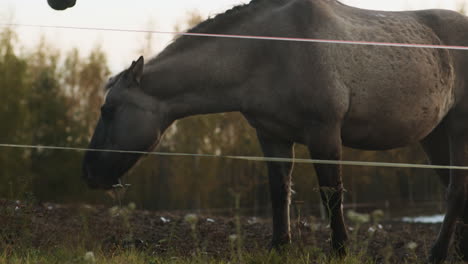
(436, 147)
(457, 188)
(279, 174)
(325, 143)
(461, 231)
(461, 235)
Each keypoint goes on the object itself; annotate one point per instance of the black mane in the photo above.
(224, 19)
(219, 23)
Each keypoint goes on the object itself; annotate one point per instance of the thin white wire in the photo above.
(250, 158)
(328, 41)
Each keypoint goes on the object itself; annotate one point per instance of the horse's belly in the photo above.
(395, 120)
(396, 95)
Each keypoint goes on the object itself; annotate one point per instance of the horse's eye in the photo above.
(107, 112)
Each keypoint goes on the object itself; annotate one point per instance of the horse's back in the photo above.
(383, 96)
(395, 95)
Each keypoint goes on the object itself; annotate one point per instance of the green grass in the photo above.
(64, 256)
(85, 249)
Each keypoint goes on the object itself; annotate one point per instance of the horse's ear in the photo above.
(136, 69)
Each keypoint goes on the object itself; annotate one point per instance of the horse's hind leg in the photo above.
(436, 147)
(457, 189)
(279, 174)
(325, 143)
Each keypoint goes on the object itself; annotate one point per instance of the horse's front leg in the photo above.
(325, 143)
(279, 174)
(457, 192)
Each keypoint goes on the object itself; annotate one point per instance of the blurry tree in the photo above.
(147, 48)
(192, 19)
(46, 103)
(64, 105)
(13, 116)
(48, 120)
(92, 76)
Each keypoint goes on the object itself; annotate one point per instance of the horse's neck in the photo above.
(202, 76)
(200, 81)
(196, 75)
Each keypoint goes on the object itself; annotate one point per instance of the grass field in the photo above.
(51, 233)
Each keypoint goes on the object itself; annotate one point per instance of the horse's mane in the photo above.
(220, 22)
(226, 18)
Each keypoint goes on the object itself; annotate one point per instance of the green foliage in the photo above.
(79, 255)
(46, 102)
(13, 116)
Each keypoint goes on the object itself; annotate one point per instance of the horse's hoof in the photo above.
(339, 246)
(461, 242)
(279, 245)
(340, 251)
(435, 260)
(437, 256)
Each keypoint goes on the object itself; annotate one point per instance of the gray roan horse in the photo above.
(320, 95)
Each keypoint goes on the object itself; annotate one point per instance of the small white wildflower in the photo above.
(351, 228)
(165, 220)
(132, 206)
(89, 257)
(114, 211)
(191, 219)
(357, 217)
(380, 226)
(315, 227)
(209, 220)
(50, 207)
(87, 207)
(371, 229)
(18, 202)
(218, 152)
(17, 208)
(232, 238)
(411, 245)
(252, 220)
(377, 215)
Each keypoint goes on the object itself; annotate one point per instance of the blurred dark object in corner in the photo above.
(61, 4)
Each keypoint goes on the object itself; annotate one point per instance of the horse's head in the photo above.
(130, 120)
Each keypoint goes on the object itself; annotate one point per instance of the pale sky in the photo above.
(122, 48)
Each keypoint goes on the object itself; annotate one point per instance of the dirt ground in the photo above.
(50, 225)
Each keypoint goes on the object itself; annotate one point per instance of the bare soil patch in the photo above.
(49, 226)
